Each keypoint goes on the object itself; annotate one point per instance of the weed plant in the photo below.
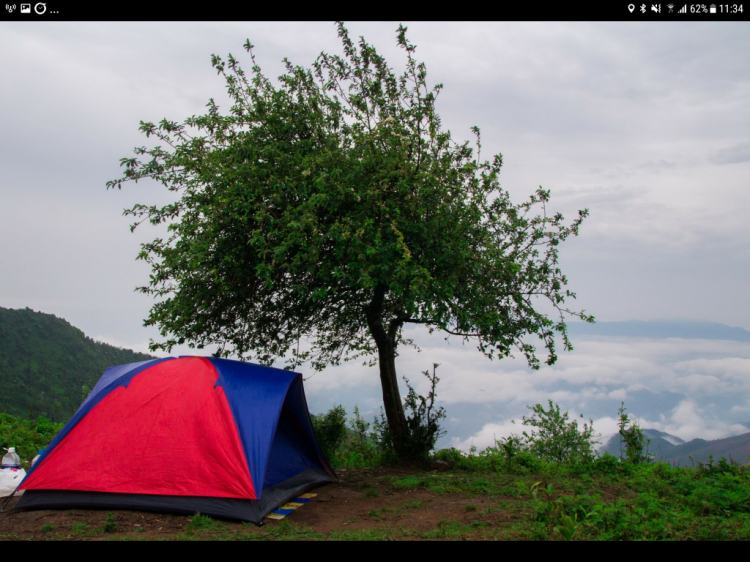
(110, 525)
(633, 444)
(203, 523)
(422, 423)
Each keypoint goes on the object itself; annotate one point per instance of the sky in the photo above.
(645, 124)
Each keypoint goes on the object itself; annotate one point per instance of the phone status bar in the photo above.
(141, 11)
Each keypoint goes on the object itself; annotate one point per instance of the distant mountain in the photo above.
(735, 448)
(661, 442)
(673, 450)
(44, 363)
(660, 329)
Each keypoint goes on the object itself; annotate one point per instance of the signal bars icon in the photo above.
(683, 10)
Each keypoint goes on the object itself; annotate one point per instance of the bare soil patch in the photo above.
(365, 504)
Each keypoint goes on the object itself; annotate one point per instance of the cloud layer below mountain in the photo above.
(692, 388)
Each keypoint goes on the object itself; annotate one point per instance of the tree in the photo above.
(633, 444)
(333, 207)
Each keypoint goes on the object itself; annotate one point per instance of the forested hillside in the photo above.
(44, 363)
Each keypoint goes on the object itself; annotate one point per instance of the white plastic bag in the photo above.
(10, 478)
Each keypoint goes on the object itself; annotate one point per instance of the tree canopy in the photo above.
(331, 206)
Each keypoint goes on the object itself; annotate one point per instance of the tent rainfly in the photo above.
(224, 438)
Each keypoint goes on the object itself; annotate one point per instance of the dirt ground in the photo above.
(364, 504)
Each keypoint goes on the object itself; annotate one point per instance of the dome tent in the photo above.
(224, 438)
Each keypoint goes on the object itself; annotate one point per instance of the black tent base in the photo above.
(222, 508)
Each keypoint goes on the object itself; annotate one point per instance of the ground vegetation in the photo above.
(483, 496)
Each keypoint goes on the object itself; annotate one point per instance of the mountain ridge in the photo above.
(661, 329)
(735, 448)
(45, 361)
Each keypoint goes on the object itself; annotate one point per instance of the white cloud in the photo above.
(687, 421)
(598, 368)
(488, 435)
(594, 379)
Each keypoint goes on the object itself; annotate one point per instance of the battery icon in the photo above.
(712, 8)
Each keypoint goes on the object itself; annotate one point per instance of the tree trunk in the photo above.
(385, 341)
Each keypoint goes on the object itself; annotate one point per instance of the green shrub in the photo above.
(721, 467)
(556, 439)
(607, 464)
(330, 430)
(360, 448)
(511, 447)
(448, 455)
(27, 436)
(351, 443)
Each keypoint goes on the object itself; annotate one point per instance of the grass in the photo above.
(597, 501)
(456, 530)
(593, 502)
(205, 528)
(369, 490)
(110, 525)
(466, 484)
(554, 502)
(202, 523)
(385, 534)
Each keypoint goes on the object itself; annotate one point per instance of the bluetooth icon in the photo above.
(643, 8)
